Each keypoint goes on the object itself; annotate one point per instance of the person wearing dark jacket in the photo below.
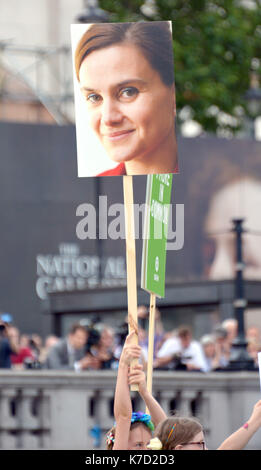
(70, 353)
(7, 346)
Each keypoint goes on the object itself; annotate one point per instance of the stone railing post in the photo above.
(8, 419)
(68, 410)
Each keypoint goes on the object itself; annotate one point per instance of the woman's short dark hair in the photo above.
(154, 40)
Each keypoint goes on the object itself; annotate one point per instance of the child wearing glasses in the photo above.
(187, 434)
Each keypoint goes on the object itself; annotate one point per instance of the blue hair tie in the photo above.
(140, 417)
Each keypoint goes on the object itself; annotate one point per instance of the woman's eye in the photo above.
(129, 92)
(93, 98)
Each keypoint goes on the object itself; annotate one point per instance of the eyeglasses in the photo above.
(201, 444)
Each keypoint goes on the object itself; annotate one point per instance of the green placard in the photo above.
(158, 197)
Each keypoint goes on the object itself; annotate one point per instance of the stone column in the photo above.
(68, 410)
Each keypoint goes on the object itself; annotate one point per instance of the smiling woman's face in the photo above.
(131, 110)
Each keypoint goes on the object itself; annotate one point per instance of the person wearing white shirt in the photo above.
(181, 351)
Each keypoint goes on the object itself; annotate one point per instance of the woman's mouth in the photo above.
(118, 135)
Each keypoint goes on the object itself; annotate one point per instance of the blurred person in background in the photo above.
(70, 353)
(159, 333)
(223, 346)
(104, 349)
(121, 332)
(143, 320)
(36, 344)
(143, 325)
(24, 352)
(49, 342)
(24, 340)
(253, 332)
(181, 352)
(253, 348)
(8, 345)
(123, 329)
(208, 344)
(213, 352)
(231, 327)
(253, 342)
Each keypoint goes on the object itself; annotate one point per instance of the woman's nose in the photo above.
(110, 113)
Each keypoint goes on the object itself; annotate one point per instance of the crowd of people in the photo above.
(93, 345)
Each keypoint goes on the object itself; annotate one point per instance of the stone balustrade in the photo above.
(57, 409)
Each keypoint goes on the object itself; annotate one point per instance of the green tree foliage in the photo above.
(216, 46)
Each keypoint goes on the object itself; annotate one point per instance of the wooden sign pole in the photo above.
(131, 261)
(151, 343)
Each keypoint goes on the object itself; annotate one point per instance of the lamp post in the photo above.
(239, 358)
(253, 99)
(92, 13)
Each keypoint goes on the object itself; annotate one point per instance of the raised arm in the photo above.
(239, 439)
(13, 339)
(122, 400)
(137, 376)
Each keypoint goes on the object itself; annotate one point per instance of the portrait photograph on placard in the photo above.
(124, 94)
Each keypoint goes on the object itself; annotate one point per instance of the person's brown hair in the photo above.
(110, 436)
(75, 327)
(177, 430)
(153, 39)
(184, 331)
